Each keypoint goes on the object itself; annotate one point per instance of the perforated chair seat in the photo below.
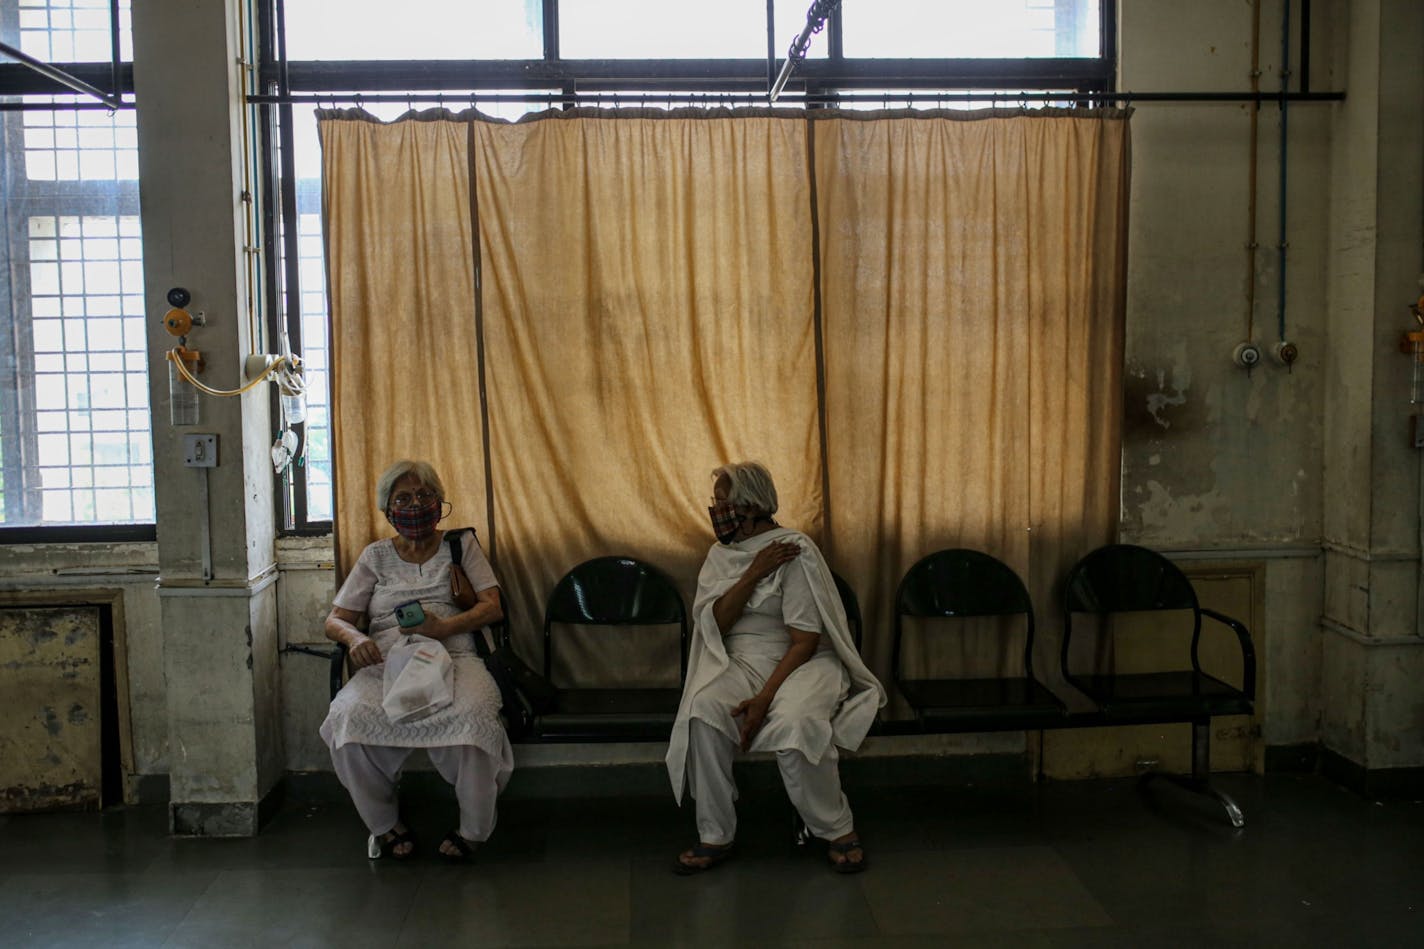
(1173, 696)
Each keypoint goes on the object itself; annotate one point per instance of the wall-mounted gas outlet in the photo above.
(200, 451)
(1246, 355)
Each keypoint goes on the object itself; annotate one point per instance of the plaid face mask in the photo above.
(725, 521)
(414, 522)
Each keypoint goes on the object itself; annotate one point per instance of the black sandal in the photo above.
(714, 856)
(383, 846)
(845, 849)
(465, 847)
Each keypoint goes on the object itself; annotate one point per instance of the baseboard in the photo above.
(1374, 783)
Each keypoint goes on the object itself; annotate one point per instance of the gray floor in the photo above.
(1080, 864)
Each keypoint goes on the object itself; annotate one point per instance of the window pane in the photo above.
(415, 29)
(678, 29)
(970, 29)
(80, 145)
(68, 31)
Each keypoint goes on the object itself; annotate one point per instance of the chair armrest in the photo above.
(1248, 650)
(338, 668)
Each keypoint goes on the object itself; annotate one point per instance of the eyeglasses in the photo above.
(406, 499)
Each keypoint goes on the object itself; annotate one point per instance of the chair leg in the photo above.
(1200, 780)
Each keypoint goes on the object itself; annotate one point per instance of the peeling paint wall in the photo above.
(1219, 462)
(132, 568)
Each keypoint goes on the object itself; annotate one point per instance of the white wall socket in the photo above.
(200, 451)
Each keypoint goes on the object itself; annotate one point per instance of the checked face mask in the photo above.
(416, 521)
(725, 520)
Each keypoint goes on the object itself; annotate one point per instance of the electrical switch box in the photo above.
(200, 451)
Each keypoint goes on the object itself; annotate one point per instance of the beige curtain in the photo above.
(401, 293)
(648, 311)
(647, 307)
(972, 279)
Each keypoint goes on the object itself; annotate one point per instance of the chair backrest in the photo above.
(960, 583)
(1121, 578)
(615, 591)
(1125, 578)
(851, 604)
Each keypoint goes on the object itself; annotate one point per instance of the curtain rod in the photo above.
(735, 98)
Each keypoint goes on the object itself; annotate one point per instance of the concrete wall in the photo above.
(1302, 472)
(1219, 462)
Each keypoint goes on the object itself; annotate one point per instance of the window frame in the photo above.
(570, 82)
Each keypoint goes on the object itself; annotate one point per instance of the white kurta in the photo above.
(833, 697)
(378, 583)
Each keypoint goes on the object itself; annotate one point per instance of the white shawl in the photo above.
(723, 567)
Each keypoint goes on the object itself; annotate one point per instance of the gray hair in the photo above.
(749, 485)
(424, 472)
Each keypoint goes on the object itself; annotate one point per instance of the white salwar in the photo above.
(466, 741)
(829, 701)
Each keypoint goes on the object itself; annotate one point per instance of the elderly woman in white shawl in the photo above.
(772, 668)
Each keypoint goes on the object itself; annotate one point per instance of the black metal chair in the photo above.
(960, 584)
(851, 603)
(1122, 578)
(613, 591)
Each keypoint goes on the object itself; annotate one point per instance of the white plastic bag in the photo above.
(419, 679)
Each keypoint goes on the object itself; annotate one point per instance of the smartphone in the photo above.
(410, 614)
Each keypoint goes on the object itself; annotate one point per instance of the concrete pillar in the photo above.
(1373, 728)
(215, 525)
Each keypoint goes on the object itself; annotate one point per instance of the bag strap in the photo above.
(453, 539)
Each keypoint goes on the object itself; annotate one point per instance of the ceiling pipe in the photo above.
(61, 77)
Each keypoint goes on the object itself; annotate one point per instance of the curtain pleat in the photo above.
(648, 315)
(972, 274)
(401, 293)
(647, 286)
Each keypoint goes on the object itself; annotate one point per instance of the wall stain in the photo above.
(52, 724)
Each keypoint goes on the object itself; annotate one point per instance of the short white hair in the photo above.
(424, 472)
(749, 484)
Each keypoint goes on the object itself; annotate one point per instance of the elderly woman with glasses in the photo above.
(772, 668)
(465, 741)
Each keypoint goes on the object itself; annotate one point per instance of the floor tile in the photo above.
(93, 909)
(571, 903)
(302, 907)
(983, 889)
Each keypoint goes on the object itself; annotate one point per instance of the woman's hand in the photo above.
(770, 557)
(433, 627)
(365, 653)
(754, 711)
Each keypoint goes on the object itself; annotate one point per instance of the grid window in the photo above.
(93, 457)
(72, 31)
(80, 146)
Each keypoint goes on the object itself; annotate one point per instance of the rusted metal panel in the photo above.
(50, 734)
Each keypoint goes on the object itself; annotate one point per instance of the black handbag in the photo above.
(524, 694)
